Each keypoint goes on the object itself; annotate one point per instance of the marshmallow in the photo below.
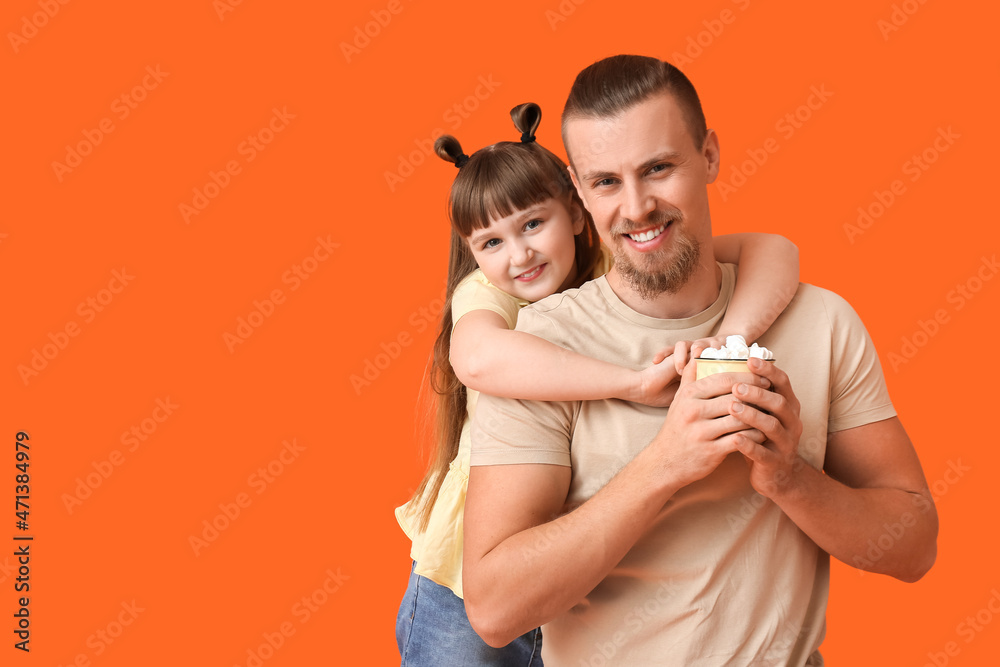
(760, 352)
(736, 348)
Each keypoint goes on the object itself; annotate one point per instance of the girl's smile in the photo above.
(530, 253)
(528, 276)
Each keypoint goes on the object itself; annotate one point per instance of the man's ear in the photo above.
(576, 211)
(710, 152)
(576, 184)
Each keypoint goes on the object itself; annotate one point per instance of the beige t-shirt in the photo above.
(722, 577)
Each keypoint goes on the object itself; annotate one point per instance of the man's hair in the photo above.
(611, 86)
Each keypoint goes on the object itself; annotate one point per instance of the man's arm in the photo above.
(873, 483)
(514, 534)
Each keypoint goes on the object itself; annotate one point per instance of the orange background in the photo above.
(359, 115)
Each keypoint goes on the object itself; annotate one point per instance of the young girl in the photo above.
(520, 233)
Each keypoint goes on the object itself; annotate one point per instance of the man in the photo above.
(699, 534)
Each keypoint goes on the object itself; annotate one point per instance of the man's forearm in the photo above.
(536, 574)
(873, 487)
(885, 530)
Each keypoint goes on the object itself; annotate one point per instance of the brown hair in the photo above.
(611, 86)
(494, 182)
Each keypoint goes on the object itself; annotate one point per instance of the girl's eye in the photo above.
(492, 243)
(533, 224)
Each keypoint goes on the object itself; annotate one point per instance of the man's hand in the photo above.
(700, 429)
(871, 478)
(774, 413)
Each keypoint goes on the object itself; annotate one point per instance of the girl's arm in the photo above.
(489, 357)
(768, 279)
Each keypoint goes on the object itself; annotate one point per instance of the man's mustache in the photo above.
(655, 218)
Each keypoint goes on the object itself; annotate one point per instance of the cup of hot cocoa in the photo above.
(730, 358)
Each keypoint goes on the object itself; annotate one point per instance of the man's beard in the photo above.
(664, 271)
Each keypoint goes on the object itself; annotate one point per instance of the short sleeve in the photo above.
(858, 393)
(475, 292)
(507, 431)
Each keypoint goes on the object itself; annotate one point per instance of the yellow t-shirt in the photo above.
(438, 549)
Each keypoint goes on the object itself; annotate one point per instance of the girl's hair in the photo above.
(494, 182)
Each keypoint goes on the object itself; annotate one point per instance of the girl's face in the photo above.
(530, 254)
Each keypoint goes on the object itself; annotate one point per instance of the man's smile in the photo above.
(647, 235)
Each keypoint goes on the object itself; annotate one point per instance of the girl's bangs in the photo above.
(501, 182)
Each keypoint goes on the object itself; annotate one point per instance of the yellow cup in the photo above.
(706, 367)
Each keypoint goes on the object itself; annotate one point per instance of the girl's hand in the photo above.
(685, 350)
(658, 383)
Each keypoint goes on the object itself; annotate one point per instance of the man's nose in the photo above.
(637, 201)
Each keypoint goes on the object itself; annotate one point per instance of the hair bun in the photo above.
(449, 150)
(526, 118)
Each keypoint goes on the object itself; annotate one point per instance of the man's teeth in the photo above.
(649, 235)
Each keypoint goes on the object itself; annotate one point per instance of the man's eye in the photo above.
(603, 182)
(660, 167)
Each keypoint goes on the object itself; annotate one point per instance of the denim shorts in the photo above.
(432, 630)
